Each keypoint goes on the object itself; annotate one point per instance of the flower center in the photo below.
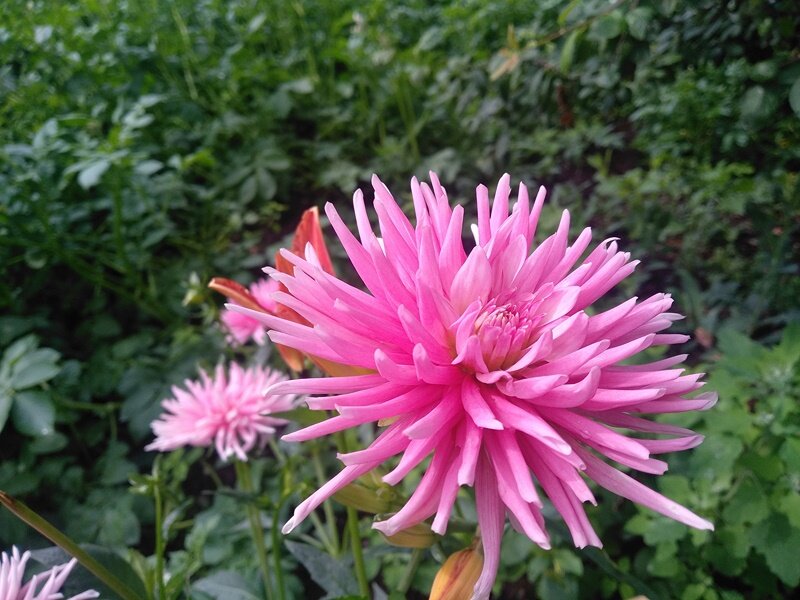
(505, 331)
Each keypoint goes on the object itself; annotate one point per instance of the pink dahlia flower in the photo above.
(489, 360)
(242, 328)
(228, 411)
(44, 586)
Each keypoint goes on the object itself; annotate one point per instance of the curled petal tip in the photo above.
(290, 525)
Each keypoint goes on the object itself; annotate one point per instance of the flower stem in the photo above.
(355, 535)
(69, 546)
(358, 556)
(161, 590)
(245, 480)
(276, 552)
(408, 576)
(330, 518)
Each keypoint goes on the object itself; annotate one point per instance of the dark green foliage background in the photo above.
(147, 145)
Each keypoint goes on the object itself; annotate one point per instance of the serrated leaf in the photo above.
(748, 505)
(790, 453)
(779, 542)
(637, 21)
(789, 505)
(334, 576)
(33, 413)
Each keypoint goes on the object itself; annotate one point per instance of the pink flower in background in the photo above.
(44, 586)
(242, 328)
(490, 361)
(228, 411)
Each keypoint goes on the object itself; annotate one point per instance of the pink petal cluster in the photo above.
(228, 411)
(44, 586)
(491, 361)
(242, 328)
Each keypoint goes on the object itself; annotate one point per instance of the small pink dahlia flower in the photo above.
(44, 586)
(490, 361)
(242, 328)
(228, 411)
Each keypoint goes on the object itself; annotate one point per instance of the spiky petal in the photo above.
(43, 586)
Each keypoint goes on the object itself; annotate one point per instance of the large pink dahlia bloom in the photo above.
(44, 586)
(489, 360)
(228, 411)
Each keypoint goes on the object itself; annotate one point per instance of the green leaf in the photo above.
(19, 348)
(769, 467)
(779, 542)
(33, 413)
(790, 506)
(35, 368)
(334, 576)
(91, 175)
(568, 51)
(752, 105)
(729, 549)
(607, 27)
(226, 585)
(794, 96)
(564, 14)
(665, 562)
(47, 444)
(789, 347)
(716, 457)
(790, 453)
(748, 505)
(637, 21)
(81, 580)
(5, 407)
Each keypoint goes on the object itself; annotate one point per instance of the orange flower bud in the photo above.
(456, 579)
(235, 292)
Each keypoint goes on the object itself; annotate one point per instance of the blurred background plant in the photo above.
(147, 146)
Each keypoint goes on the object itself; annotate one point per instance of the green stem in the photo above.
(323, 535)
(352, 527)
(246, 485)
(70, 547)
(408, 576)
(358, 556)
(162, 592)
(330, 518)
(276, 552)
(276, 450)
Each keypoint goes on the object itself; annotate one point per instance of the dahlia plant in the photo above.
(491, 360)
